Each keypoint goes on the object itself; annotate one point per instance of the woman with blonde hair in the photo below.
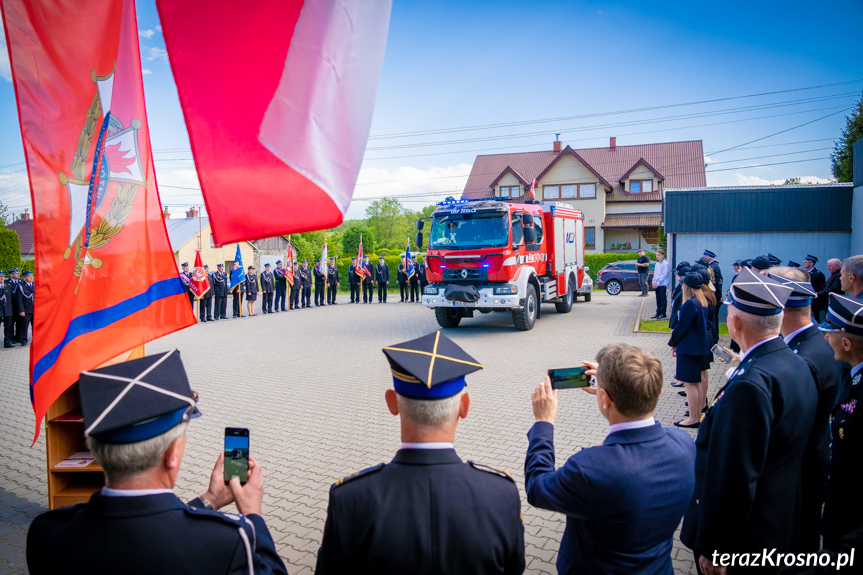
(689, 344)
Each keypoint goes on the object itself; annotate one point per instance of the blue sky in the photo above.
(457, 65)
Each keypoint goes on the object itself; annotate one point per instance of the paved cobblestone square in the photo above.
(310, 386)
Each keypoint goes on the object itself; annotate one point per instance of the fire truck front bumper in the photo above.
(433, 297)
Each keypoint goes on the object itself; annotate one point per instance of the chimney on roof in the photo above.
(166, 214)
(613, 143)
(24, 217)
(557, 145)
(192, 213)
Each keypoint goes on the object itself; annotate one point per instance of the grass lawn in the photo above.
(661, 326)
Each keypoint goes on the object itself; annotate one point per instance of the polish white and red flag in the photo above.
(278, 98)
(531, 190)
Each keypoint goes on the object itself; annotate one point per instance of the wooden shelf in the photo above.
(94, 466)
(73, 416)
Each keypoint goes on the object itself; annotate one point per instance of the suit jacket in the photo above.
(843, 512)
(421, 273)
(382, 273)
(281, 280)
(690, 335)
(268, 284)
(353, 278)
(6, 296)
(332, 275)
(810, 345)
(370, 272)
(623, 500)
(749, 457)
(414, 279)
(209, 293)
(319, 275)
(148, 534)
(298, 282)
(13, 293)
(251, 286)
(817, 279)
(425, 513)
(25, 294)
(401, 276)
(219, 283)
(832, 285)
(305, 277)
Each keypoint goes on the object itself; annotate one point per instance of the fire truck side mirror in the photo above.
(529, 234)
(527, 219)
(419, 240)
(420, 224)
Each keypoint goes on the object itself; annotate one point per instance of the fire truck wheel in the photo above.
(525, 317)
(447, 317)
(565, 305)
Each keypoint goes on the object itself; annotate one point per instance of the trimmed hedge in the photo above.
(393, 261)
(597, 261)
(10, 250)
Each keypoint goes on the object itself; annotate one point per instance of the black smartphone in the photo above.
(568, 377)
(236, 454)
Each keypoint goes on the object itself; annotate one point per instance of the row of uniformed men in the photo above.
(274, 286)
(16, 306)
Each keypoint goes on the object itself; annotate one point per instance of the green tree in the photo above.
(351, 239)
(5, 220)
(391, 222)
(426, 211)
(10, 251)
(792, 182)
(841, 157)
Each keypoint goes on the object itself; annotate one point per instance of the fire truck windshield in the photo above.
(471, 230)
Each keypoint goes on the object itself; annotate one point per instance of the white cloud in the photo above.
(146, 71)
(743, 180)
(708, 160)
(5, 68)
(155, 53)
(146, 33)
(159, 29)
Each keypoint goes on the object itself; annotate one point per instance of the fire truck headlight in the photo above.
(505, 290)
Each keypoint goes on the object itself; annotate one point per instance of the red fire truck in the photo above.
(491, 255)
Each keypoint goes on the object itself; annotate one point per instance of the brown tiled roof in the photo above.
(509, 170)
(681, 164)
(24, 229)
(642, 162)
(642, 220)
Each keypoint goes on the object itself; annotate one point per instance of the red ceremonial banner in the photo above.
(200, 281)
(106, 279)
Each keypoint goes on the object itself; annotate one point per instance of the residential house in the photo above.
(184, 234)
(23, 226)
(619, 188)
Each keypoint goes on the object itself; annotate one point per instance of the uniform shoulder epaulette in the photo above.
(353, 476)
(490, 469)
(232, 518)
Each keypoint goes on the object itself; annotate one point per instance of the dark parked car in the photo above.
(621, 276)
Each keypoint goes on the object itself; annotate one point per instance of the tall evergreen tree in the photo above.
(841, 157)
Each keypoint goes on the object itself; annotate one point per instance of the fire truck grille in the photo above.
(465, 275)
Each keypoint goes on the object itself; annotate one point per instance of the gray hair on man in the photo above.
(854, 265)
(758, 324)
(431, 413)
(123, 460)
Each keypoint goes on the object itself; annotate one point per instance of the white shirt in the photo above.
(430, 445)
(631, 425)
(794, 333)
(662, 273)
(109, 492)
(754, 347)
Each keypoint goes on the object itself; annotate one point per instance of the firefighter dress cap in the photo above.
(429, 367)
(353, 259)
(758, 294)
(682, 265)
(810, 258)
(793, 264)
(802, 294)
(220, 265)
(136, 400)
(844, 314)
(13, 271)
(709, 254)
(682, 271)
(185, 264)
(28, 273)
(2, 273)
(694, 280)
(278, 262)
(773, 259)
(738, 263)
(761, 263)
(266, 265)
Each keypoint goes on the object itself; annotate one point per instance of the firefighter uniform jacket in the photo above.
(320, 277)
(219, 282)
(305, 277)
(353, 278)
(281, 280)
(25, 294)
(383, 273)
(369, 274)
(251, 285)
(332, 275)
(267, 282)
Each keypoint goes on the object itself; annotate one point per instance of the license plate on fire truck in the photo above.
(464, 304)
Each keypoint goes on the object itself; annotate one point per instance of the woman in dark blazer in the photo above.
(690, 343)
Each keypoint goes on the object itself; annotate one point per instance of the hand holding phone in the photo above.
(236, 454)
(569, 377)
(721, 354)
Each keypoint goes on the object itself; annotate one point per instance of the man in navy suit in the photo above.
(752, 444)
(623, 499)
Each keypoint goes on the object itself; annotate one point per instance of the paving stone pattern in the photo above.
(310, 386)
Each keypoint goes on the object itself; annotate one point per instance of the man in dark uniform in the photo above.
(354, 281)
(268, 286)
(14, 280)
(6, 317)
(368, 280)
(805, 339)
(817, 279)
(774, 260)
(332, 281)
(219, 285)
(426, 511)
(295, 288)
(751, 444)
(237, 293)
(26, 295)
(843, 511)
(251, 290)
(205, 309)
(414, 281)
(306, 284)
(281, 286)
(135, 524)
(402, 280)
(833, 284)
(186, 276)
(717, 281)
(421, 273)
(382, 277)
(677, 295)
(320, 274)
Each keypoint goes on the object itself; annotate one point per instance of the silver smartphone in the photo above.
(719, 352)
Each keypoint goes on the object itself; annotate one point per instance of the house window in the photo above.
(640, 186)
(569, 191)
(510, 191)
(212, 243)
(590, 238)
